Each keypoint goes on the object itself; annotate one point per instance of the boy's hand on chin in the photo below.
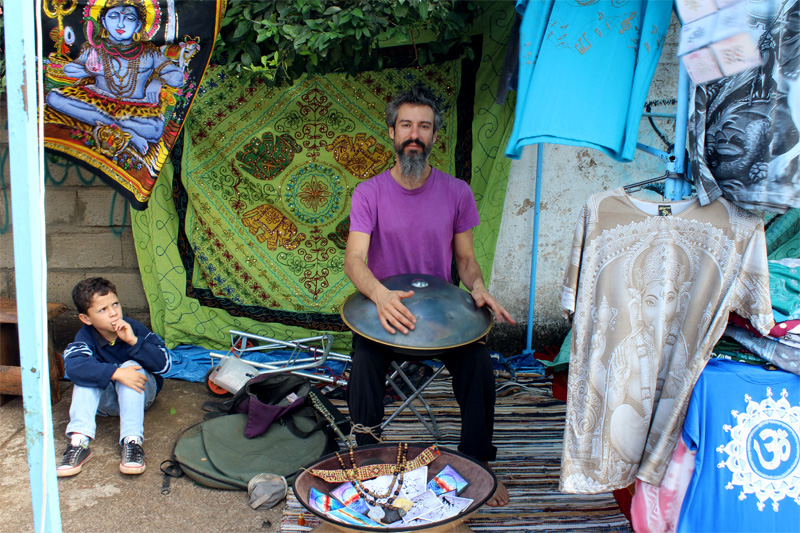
(125, 332)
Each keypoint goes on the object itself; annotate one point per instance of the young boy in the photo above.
(115, 364)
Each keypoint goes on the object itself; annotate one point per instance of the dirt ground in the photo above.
(101, 499)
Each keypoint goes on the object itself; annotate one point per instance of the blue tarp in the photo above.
(191, 363)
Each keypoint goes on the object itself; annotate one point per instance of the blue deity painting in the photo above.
(116, 100)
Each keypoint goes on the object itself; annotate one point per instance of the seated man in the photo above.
(411, 219)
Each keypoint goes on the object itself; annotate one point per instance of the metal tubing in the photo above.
(535, 245)
(669, 158)
(682, 119)
(432, 427)
(274, 369)
(677, 188)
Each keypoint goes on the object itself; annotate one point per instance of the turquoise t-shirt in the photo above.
(584, 72)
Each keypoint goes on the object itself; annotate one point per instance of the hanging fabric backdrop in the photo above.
(119, 80)
(246, 228)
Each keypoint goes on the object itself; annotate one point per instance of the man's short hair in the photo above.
(84, 292)
(417, 95)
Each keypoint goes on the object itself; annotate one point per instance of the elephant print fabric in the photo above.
(744, 130)
(120, 78)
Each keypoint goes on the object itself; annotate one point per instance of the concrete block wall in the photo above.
(88, 233)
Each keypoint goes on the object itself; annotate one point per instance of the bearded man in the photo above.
(413, 219)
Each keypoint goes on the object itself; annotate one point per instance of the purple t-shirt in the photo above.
(411, 231)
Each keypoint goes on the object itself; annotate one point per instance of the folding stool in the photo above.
(416, 393)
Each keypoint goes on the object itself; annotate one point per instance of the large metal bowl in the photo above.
(482, 484)
(446, 316)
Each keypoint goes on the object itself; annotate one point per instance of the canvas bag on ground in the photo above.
(218, 452)
(267, 397)
(215, 453)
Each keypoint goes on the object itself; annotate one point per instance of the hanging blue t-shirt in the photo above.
(744, 423)
(584, 72)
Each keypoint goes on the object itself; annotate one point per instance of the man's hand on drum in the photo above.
(393, 313)
(482, 298)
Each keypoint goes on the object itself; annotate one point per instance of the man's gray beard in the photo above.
(413, 166)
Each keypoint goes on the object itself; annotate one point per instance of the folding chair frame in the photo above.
(302, 364)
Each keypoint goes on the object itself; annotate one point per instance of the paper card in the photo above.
(422, 504)
(722, 4)
(731, 21)
(349, 496)
(454, 504)
(701, 65)
(736, 54)
(696, 35)
(691, 10)
(414, 482)
(447, 480)
(322, 502)
(421, 522)
(348, 516)
(379, 484)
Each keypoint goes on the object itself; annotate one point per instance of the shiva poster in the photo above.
(119, 80)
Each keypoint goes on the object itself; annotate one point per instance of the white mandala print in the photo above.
(764, 451)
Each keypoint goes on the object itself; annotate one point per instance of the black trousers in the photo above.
(473, 386)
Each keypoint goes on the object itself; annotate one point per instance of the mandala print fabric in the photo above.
(269, 174)
(120, 77)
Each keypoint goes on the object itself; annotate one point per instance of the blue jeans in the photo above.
(115, 400)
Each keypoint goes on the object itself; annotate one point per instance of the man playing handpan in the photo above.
(411, 219)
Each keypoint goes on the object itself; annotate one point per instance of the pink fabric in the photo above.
(411, 231)
(656, 509)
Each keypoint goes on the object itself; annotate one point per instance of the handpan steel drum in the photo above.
(446, 316)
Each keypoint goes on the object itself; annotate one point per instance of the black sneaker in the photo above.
(72, 462)
(132, 461)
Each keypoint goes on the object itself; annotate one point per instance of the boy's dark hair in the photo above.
(417, 95)
(84, 292)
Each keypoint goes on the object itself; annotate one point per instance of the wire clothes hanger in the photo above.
(639, 185)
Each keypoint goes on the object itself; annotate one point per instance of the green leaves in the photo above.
(283, 39)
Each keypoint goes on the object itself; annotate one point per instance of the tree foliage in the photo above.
(283, 39)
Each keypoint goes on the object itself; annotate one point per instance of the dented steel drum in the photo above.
(446, 316)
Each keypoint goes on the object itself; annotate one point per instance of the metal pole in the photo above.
(675, 189)
(535, 247)
(27, 203)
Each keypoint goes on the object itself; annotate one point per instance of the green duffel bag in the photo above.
(215, 453)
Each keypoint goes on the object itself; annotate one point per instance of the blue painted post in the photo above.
(27, 204)
(535, 246)
(675, 189)
(682, 119)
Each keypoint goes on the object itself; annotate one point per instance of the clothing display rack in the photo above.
(675, 186)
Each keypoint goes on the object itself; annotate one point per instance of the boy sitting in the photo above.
(116, 365)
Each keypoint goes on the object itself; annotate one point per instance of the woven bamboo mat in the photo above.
(529, 429)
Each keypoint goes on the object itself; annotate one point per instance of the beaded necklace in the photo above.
(115, 79)
(373, 498)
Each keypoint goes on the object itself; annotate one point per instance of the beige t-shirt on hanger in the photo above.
(649, 287)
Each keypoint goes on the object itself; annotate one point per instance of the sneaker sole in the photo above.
(132, 469)
(68, 472)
